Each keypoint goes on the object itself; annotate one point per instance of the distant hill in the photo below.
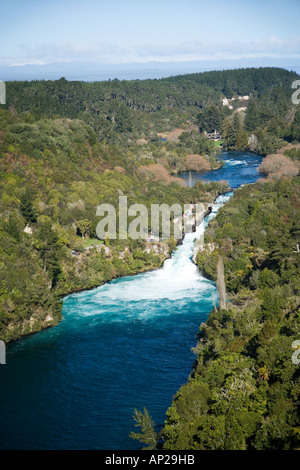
(132, 71)
(137, 107)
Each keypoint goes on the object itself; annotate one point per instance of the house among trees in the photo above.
(216, 135)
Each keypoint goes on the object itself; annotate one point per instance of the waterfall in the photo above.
(122, 345)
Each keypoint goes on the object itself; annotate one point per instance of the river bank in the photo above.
(43, 319)
(120, 263)
(244, 382)
(112, 353)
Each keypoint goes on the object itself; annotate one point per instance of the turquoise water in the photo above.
(239, 168)
(124, 345)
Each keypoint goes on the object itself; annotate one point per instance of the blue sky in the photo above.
(127, 31)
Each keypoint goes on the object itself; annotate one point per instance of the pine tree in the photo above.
(147, 435)
(26, 207)
(241, 141)
(48, 249)
(233, 132)
(252, 119)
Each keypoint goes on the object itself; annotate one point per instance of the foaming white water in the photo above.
(178, 278)
(236, 162)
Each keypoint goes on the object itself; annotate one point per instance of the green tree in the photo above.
(147, 435)
(49, 251)
(241, 142)
(252, 119)
(234, 131)
(83, 226)
(210, 119)
(26, 206)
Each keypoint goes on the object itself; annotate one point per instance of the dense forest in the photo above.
(244, 390)
(125, 111)
(54, 174)
(66, 147)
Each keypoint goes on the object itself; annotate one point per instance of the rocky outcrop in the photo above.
(38, 321)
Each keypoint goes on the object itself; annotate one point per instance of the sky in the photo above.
(139, 31)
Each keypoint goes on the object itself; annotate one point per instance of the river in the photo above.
(124, 345)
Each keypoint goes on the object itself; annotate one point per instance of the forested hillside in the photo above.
(66, 147)
(244, 390)
(54, 174)
(134, 113)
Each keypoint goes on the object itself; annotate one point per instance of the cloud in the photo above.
(205, 50)
(110, 53)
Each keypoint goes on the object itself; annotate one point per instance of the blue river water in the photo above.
(124, 345)
(239, 168)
